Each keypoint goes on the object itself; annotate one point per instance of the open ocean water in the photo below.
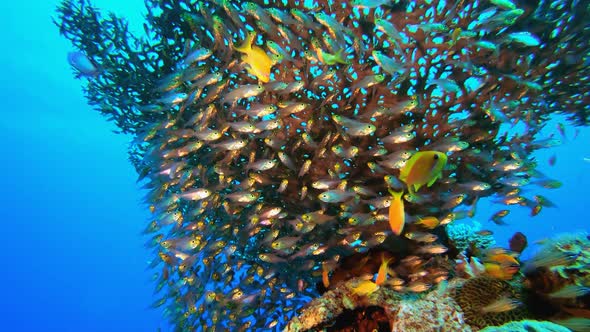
(72, 254)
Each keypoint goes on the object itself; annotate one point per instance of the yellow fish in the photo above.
(428, 222)
(258, 63)
(498, 271)
(423, 168)
(365, 287)
(503, 259)
(397, 215)
(382, 273)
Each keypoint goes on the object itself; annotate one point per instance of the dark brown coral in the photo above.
(479, 292)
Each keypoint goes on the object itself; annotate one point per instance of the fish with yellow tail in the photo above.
(423, 168)
(397, 215)
(258, 63)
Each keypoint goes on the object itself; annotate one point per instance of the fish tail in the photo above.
(396, 194)
(247, 44)
(340, 57)
(412, 189)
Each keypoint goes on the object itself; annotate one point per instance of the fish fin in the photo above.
(340, 57)
(434, 178)
(246, 46)
(396, 194)
(417, 187)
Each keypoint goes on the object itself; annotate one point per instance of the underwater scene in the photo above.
(313, 165)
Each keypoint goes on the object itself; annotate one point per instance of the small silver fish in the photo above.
(244, 91)
(242, 197)
(336, 196)
(262, 165)
(196, 194)
(231, 145)
(389, 65)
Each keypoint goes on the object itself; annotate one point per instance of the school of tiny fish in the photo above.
(284, 136)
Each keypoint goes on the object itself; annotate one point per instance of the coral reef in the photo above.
(465, 237)
(322, 310)
(558, 275)
(435, 311)
(527, 326)
(477, 293)
(270, 137)
(567, 256)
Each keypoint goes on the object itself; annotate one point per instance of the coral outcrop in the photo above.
(437, 311)
(434, 311)
(464, 237)
(477, 293)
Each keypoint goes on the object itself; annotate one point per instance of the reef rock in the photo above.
(435, 311)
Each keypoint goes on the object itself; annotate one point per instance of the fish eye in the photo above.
(435, 157)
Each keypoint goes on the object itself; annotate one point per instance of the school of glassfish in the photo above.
(277, 139)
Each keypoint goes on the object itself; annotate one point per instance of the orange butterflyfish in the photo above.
(397, 215)
(382, 273)
(423, 168)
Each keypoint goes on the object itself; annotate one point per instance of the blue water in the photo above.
(72, 257)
